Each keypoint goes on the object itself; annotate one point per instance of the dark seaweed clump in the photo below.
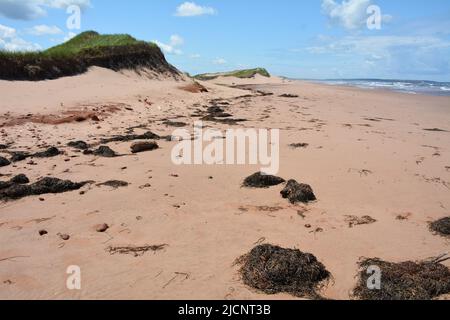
(138, 147)
(441, 226)
(23, 155)
(261, 180)
(19, 179)
(103, 151)
(81, 145)
(4, 162)
(18, 190)
(50, 152)
(272, 269)
(424, 280)
(298, 192)
(130, 137)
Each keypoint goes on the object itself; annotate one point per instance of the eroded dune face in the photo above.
(141, 227)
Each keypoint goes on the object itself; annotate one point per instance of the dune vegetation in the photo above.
(119, 51)
(243, 74)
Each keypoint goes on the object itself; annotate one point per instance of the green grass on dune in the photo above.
(89, 40)
(250, 73)
(93, 40)
(18, 55)
(243, 74)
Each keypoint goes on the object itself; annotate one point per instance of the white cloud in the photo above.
(7, 32)
(176, 40)
(350, 14)
(195, 56)
(43, 29)
(191, 9)
(10, 41)
(172, 47)
(377, 46)
(34, 9)
(63, 4)
(219, 61)
(18, 44)
(168, 48)
(21, 10)
(394, 55)
(67, 36)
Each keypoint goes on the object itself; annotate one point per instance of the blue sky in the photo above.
(319, 39)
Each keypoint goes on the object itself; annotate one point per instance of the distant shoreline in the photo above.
(422, 87)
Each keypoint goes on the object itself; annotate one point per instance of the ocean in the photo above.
(405, 86)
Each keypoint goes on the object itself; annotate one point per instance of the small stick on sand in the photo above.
(12, 258)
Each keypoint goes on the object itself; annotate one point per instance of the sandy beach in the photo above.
(366, 153)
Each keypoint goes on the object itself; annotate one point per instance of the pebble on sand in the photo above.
(64, 237)
(101, 227)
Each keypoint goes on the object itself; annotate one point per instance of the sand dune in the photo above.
(365, 153)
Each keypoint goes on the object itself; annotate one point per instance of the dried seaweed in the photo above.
(423, 280)
(135, 250)
(272, 269)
